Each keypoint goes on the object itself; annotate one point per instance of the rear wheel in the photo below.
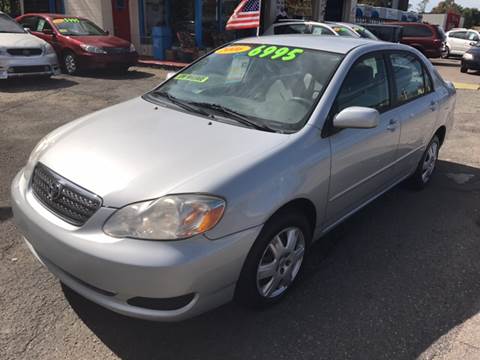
(427, 165)
(70, 63)
(275, 261)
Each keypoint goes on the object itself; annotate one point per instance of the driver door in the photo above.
(362, 159)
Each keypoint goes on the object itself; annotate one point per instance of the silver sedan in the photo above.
(213, 186)
(22, 54)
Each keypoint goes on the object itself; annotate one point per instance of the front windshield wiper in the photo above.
(183, 104)
(232, 114)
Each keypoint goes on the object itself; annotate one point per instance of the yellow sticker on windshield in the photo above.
(191, 77)
(66, 20)
(235, 49)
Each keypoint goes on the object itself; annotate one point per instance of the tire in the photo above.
(282, 267)
(446, 53)
(70, 63)
(121, 70)
(427, 165)
(464, 68)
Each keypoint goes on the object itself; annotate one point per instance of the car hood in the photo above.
(8, 40)
(136, 151)
(103, 41)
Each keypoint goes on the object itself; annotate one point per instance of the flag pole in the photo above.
(261, 17)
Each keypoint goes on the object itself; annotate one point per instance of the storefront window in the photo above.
(154, 15)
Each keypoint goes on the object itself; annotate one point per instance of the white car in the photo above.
(285, 27)
(459, 41)
(23, 54)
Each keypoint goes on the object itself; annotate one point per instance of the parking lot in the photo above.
(399, 280)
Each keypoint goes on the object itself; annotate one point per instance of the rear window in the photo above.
(291, 29)
(417, 31)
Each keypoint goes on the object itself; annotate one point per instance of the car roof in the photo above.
(336, 44)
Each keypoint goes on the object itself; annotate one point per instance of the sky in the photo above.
(464, 3)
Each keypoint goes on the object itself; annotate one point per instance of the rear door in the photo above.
(362, 159)
(458, 38)
(416, 107)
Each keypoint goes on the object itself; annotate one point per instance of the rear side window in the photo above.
(417, 31)
(291, 29)
(30, 23)
(365, 85)
(411, 80)
(320, 30)
(459, 35)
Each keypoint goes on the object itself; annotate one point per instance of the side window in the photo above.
(365, 85)
(30, 23)
(320, 30)
(472, 36)
(417, 31)
(290, 29)
(43, 25)
(459, 35)
(411, 81)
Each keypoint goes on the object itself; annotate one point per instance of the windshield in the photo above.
(344, 31)
(274, 86)
(77, 27)
(364, 33)
(8, 25)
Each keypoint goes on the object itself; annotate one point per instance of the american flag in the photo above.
(245, 16)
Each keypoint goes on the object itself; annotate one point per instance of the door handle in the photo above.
(392, 125)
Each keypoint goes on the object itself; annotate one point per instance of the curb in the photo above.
(466, 86)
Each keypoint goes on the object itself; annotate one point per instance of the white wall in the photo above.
(99, 11)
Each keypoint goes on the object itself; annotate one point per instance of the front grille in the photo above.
(25, 52)
(117, 50)
(29, 69)
(67, 200)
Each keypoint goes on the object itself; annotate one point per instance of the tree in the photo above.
(11, 7)
(445, 6)
(422, 6)
(472, 17)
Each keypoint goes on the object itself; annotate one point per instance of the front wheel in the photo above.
(275, 261)
(427, 165)
(70, 63)
(464, 68)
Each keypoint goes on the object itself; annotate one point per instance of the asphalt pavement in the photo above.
(399, 280)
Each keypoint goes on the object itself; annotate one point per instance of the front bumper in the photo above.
(111, 272)
(471, 64)
(100, 61)
(17, 66)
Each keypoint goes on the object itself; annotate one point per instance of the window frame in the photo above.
(328, 128)
(33, 17)
(426, 75)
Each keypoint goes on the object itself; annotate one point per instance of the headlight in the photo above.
(468, 56)
(92, 49)
(167, 218)
(132, 48)
(48, 49)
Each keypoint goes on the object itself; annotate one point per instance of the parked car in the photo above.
(79, 43)
(459, 41)
(471, 59)
(213, 185)
(284, 27)
(426, 38)
(385, 32)
(357, 29)
(22, 54)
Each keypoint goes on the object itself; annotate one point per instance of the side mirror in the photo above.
(47, 31)
(473, 43)
(357, 117)
(26, 29)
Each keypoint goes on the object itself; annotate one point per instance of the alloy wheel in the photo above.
(70, 64)
(429, 162)
(280, 262)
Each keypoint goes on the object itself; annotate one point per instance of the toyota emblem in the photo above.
(54, 191)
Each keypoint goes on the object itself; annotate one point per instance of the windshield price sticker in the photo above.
(275, 53)
(235, 49)
(66, 20)
(192, 77)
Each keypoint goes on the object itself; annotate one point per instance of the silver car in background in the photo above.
(214, 185)
(23, 54)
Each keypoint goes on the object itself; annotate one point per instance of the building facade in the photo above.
(203, 20)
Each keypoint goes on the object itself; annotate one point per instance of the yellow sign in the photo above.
(234, 49)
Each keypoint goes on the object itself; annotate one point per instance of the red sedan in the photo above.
(79, 43)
